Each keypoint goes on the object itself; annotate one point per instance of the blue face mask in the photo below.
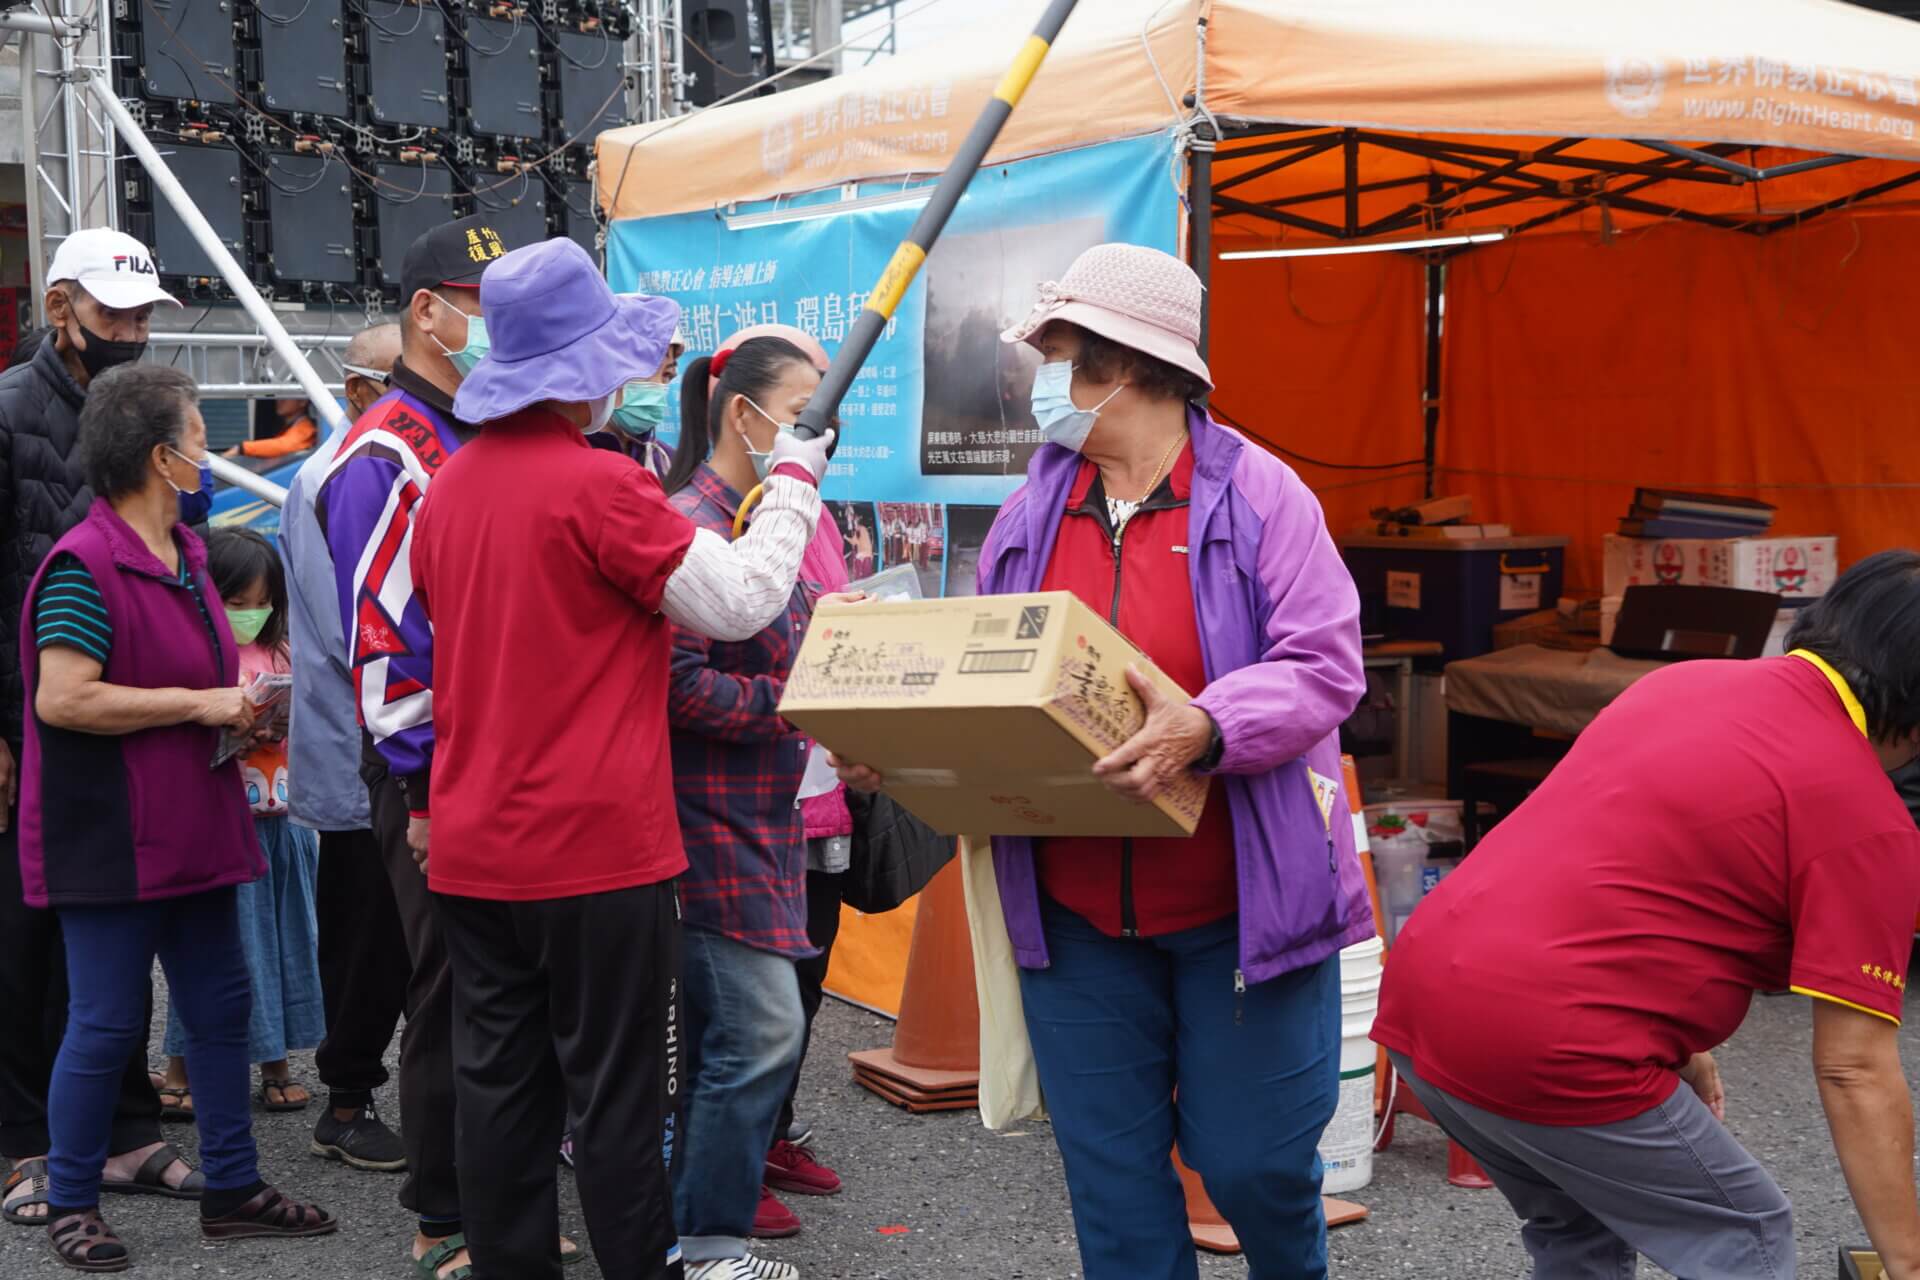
(642, 408)
(1061, 421)
(195, 504)
(477, 344)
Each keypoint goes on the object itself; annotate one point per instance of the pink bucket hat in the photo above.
(1138, 297)
(800, 338)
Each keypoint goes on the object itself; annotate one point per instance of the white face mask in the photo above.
(762, 461)
(602, 412)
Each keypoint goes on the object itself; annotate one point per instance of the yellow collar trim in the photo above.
(1840, 686)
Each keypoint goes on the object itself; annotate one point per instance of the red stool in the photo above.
(1462, 1169)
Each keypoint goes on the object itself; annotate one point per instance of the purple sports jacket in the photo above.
(1279, 627)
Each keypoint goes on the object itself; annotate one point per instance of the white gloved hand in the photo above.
(811, 454)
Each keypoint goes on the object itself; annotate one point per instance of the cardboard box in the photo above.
(986, 714)
(1860, 1263)
(1797, 568)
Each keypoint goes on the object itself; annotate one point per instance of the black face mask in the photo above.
(101, 354)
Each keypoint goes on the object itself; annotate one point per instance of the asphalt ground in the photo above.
(940, 1197)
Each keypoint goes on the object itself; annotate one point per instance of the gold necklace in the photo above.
(1161, 469)
(1120, 510)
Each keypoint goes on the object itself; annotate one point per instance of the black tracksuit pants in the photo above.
(565, 1007)
(364, 966)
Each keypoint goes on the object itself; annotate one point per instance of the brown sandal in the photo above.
(33, 1174)
(84, 1242)
(269, 1214)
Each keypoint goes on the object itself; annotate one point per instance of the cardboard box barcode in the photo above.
(985, 713)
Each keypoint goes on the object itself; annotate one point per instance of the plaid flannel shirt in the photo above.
(737, 764)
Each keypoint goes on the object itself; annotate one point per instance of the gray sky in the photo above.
(943, 17)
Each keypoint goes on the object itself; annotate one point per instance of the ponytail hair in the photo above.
(752, 369)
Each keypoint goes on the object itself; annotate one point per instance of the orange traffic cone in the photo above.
(934, 1064)
(1210, 1230)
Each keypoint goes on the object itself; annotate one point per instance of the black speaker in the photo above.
(406, 63)
(303, 56)
(212, 176)
(516, 204)
(503, 77)
(188, 49)
(590, 77)
(717, 48)
(409, 200)
(309, 220)
(573, 202)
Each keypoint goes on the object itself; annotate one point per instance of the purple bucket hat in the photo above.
(559, 333)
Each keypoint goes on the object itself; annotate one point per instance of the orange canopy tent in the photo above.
(1704, 211)
(1695, 236)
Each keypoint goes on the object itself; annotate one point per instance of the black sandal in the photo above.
(34, 1173)
(270, 1214)
(151, 1179)
(284, 1104)
(176, 1102)
(84, 1242)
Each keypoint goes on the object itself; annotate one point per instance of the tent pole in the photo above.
(1202, 140)
(1200, 229)
(1436, 312)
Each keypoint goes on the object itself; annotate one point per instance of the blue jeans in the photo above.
(1118, 1026)
(110, 952)
(744, 1031)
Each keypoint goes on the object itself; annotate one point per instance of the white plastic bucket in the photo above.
(1346, 1148)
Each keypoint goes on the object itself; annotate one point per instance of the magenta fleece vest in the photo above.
(136, 817)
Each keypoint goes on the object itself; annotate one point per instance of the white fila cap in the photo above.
(112, 266)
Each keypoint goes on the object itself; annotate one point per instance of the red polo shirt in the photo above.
(1144, 587)
(1723, 828)
(542, 563)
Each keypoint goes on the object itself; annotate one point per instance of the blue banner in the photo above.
(939, 414)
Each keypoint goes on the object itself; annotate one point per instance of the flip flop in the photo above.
(151, 1178)
(181, 1106)
(33, 1172)
(283, 1104)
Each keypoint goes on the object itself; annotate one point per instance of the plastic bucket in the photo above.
(1346, 1148)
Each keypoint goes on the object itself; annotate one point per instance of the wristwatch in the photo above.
(1216, 749)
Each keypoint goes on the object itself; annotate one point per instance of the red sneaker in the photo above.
(793, 1168)
(773, 1220)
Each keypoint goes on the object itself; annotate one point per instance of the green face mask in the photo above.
(642, 408)
(247, 624)
(477, 344)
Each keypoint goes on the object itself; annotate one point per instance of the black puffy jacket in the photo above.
(43, 493)
(1906, 781)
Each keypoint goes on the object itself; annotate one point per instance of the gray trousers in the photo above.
(1671, 1183)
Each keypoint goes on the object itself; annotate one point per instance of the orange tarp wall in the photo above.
(1323, 357)
(1575, 368)
(1780, 367)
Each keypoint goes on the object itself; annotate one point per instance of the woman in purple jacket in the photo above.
(131, 674)
(1207, 967)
